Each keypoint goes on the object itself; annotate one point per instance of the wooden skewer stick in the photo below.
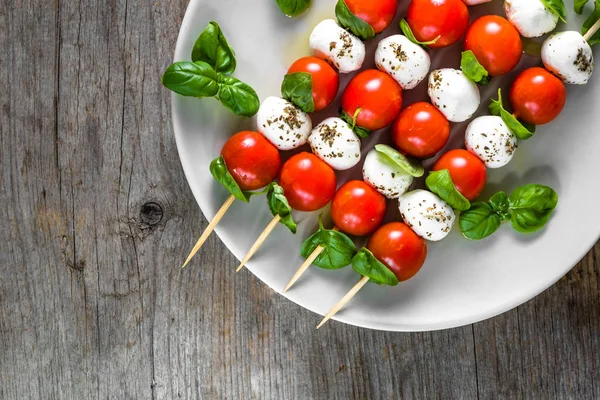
(592, 30)
(307, 263)
(211, 227)
(263, 236)
(344, 300)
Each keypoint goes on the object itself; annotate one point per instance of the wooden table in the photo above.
(97, 216)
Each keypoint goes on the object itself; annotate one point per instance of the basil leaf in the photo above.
(365, 264)
(293, 8)
(298, 88)
(219, 171)
(351, 120)
(212, 48)
(521, 130)
(590, 21)
(191, 79)
(440, 183)
(500, 205)
(338, 249)
(531, 207)
(557, 7)
(410, 35)
(479, 222)
(412, 167)
(238, 96)
(352, 23)
(579, 4)
(278, 204)
(473, 70)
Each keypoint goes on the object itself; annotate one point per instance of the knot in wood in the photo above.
(151, 213)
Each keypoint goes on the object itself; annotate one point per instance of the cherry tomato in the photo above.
(379, 14)
(377, 95)
(251, 159)
(537, 96)
(496, 44)
(357, 209)
(467, 171)
(307, 182)
(429, 19)
(399, 248)
(325, 79)
(421, 130)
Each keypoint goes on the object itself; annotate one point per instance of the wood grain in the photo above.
(97, 217)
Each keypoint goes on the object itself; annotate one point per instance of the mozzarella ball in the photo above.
(283, 124)
(335, 143)
(490, 139)
(403, 60)
(428, 215)
(530, 17)
(455, 95)
(569, 56)
(341, 48)
(386, 177)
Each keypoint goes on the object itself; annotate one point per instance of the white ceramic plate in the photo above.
(462, 282)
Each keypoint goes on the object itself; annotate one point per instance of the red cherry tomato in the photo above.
(377, 95)
(421, 130)
(357, 209)
(379, 14)
(467, 171)
(537, 96)
(251, 159)
(496, 44)
(307, 182)
(429, 19)
(399, 248)
(325, 80)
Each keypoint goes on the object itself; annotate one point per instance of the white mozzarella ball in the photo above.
(335, 143)
(341, 48)
(530, 17)
(403, 60)
(569, 56)
(455, 95)
(386, 177)
(283, 124)
(489, 138)
(428, 215)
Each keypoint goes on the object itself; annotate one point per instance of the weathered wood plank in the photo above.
(98, 216)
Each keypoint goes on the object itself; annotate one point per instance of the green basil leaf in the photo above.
(479, 222)
(579, 4)
(531, 207)
(338, 249)
(405, 28)
(191, 79)
(412, 167)
(473, 70)
(212, 48)
(351, 120)
(293, 8)
(278, 204)
(590, 21)
(298, 88)
(219, 171)
(365, 264)
(521, 130)
(238, 96)
(557, 7)
(352, 23)
(440, 182)
(500, 205)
